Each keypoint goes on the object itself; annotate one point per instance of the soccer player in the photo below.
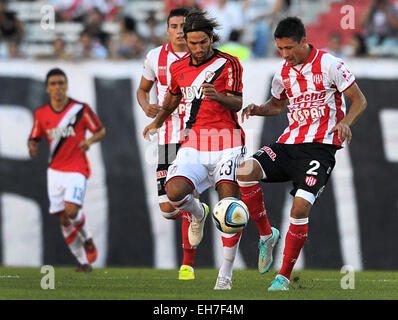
(171, 134)
(64, 121)
(310, 83)
(210, 81)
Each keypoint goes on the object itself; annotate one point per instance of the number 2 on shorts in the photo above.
(315, 165)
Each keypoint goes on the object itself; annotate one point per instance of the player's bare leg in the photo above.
(249, 175)
(180, 193)
(186, 271)
(295, 240)
(230, 242)
(78, 219)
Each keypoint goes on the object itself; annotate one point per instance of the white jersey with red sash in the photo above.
(156, 68)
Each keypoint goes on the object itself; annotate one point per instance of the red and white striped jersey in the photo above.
(157, 68)
(315, 100)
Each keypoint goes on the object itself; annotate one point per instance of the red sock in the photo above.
(252, 196)
(189, 252)
(295, 239)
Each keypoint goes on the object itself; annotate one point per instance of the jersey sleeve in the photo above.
(278, 90)
(340, 75)
(37, 131)
(174, 87)
(234, 82)
(91, 120)
(149, 68)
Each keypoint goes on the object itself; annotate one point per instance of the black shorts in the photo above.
(307, 165)
(166, 155)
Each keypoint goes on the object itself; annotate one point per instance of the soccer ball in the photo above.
(230, 215)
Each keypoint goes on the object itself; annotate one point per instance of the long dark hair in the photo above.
(197, 20)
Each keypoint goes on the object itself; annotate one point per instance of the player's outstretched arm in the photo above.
(272, 107)
(151, 110)
(171, 103)
(97, 136)
(358, 106)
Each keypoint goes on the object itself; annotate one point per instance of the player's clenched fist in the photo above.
(251, 110)
(33, 147)
(84, 145)
(152, 110)
(209, 92)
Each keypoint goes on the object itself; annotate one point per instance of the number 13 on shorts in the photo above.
(78, 194)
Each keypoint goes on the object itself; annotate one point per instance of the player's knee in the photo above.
(249, 171)
(177, 189)
(298, 213)
(300, 209)
(302, 205)
(71, 210)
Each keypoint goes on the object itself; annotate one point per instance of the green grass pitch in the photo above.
(151, 284)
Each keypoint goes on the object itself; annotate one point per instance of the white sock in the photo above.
(230, 248)
(190, 204)
(74, 243)
(80, 223)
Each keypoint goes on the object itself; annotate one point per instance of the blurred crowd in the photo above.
(246, 29)
(379, 35)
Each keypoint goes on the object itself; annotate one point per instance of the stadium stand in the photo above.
(329, 21)
(322, 18)
(38, 40)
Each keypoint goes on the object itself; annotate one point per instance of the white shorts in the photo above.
(65, 187)
(204, 169)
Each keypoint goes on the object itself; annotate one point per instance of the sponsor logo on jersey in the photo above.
(57, 133)
(307, 97)
(313, 113)
(309, 106)
(310, 181)
(230, 77)
(182, 108)
(192, 92)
